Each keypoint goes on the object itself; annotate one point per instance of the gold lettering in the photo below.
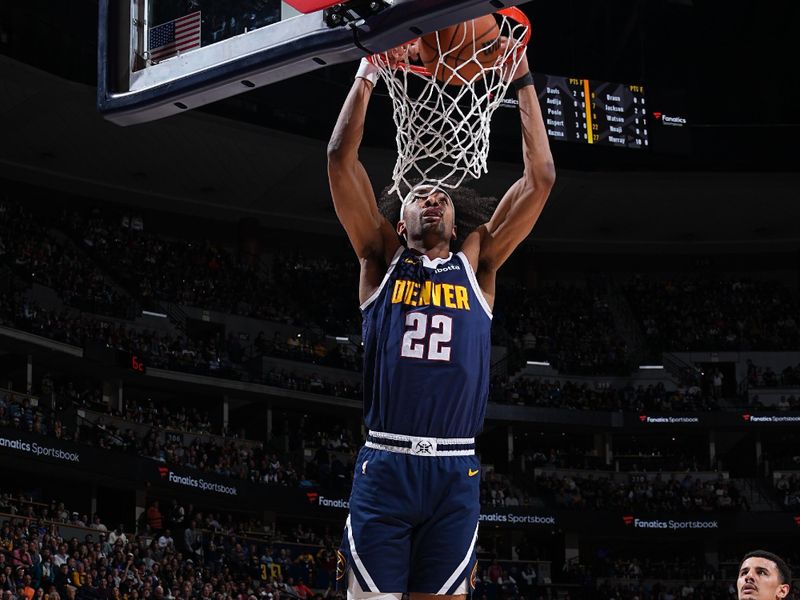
(409, 291)
(425, 294)
(397, 293)
(414, 293)
(461, 297)
(448, 295)
(437, 294)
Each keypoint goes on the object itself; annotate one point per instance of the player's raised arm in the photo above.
(371, 235)
(491, 244)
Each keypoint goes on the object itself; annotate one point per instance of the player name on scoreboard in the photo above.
(593, 112)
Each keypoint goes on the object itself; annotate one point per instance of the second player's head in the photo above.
(763, 576)
(427, 216)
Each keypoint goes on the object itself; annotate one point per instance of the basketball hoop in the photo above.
(443, 118)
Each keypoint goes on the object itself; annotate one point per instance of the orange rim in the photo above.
(511, 12)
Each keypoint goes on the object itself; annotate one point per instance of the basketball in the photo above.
(465, 49)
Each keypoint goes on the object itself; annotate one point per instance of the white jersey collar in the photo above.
(432, 264)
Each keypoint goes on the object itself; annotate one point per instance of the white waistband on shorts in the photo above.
(420, 446)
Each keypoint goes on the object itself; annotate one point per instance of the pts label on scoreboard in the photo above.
(593, 112)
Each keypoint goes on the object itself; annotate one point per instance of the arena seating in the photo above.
(88, 301)
(582, 396)
(693, 313)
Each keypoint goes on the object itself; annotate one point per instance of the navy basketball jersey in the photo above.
(427, 345)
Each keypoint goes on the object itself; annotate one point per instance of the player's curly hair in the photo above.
(472, 209)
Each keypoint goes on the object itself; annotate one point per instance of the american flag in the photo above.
(172, 37)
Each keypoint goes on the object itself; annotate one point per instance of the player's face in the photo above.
(428, 214)
(759, 579)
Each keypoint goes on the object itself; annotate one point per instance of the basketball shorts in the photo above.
(414, 512)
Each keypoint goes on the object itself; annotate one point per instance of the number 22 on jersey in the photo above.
(427, 336)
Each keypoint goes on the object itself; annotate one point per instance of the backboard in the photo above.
(157, 58)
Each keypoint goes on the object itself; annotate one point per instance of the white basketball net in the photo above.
(443, 129)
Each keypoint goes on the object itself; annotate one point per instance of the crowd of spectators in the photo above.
(163, 416)
(639, 492)
(209, 275)
(180, 551)
(537, 455)
(790, 402)
(25, 507)
(660, 455)
(528, 391)
(655, 573)
(310, 348)
(765, 377)
(567, 325)
(184, 562)
(497, 580)
(652, 565)
(215, 357)
(253, 462)
(637, 455)
(498, 491)
(787, 486)
(570, 326)
(655, 590)
(691, 314)
(35, 255)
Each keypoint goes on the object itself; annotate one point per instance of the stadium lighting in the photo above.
(651, 367)
(149, 313)
(537, 363)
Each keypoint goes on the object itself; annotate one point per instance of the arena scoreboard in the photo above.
(593, 112)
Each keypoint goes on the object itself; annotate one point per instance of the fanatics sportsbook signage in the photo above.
(196, 482)
(20, 446)
(36, 449)
(518, 517)
(20, 450)
(669, 420)
(56, 458)
(772, 419)
(61, 458)
(670, 524)
(708, 420)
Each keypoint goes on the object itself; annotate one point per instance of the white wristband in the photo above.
(368, 71)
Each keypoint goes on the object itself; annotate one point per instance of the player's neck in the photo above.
(439, 250)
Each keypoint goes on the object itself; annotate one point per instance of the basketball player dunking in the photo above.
(414, 507)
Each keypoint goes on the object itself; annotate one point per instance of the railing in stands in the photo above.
(625, 321)
(177, 315)
(98, 419)
(680, 369)
(499, 368)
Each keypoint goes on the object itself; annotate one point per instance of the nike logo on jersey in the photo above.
(472, 473)
(429, 293)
